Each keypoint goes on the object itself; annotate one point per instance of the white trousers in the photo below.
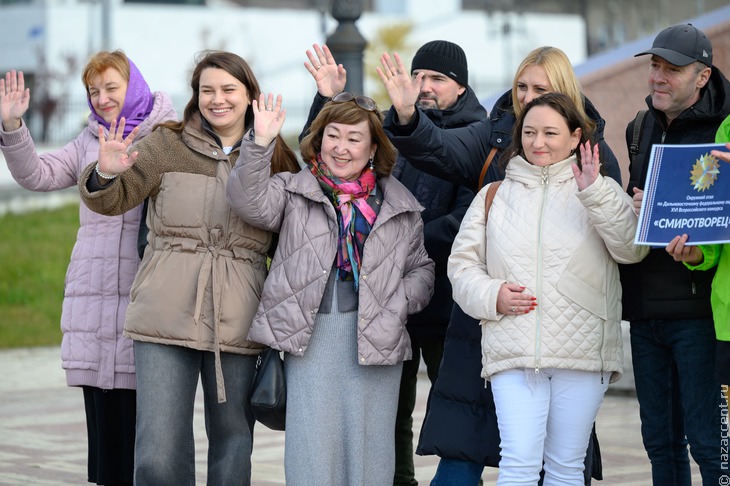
(545, 417)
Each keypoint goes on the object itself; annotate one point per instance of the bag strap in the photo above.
(636, 168)
(491, 192)
(636, 137)
(487, 163)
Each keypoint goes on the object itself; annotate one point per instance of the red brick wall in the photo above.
(619, 91)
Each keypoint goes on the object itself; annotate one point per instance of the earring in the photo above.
(372, 167)
(572, 152)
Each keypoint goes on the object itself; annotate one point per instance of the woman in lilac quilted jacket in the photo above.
(94, 353)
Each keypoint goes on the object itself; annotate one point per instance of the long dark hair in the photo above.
(283, 158)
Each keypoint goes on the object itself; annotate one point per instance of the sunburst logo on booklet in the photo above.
(704, 172)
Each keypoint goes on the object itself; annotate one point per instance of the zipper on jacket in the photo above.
(538, 271)
(600, 348)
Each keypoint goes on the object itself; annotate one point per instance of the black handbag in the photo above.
(268, 393)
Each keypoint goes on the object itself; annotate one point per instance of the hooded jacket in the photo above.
(396, 277)
(104, 258)
(562, 244)
(201, 277)
(659, 287)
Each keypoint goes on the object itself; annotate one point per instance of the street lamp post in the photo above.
(346, 42)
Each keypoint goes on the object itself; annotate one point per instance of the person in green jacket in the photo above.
(705, 257)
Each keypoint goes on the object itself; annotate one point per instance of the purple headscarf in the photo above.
(138, 101)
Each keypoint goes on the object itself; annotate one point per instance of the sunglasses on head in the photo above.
(362, 101)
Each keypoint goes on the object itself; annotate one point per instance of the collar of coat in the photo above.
(396, 198)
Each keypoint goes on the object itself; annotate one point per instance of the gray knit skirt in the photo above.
(340, 416)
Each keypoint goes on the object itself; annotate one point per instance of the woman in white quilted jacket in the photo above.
(540, 273)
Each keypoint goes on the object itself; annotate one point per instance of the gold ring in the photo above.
(317, 68)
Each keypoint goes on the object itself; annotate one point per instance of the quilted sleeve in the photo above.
(612, 213)
(254, 195)
(50, 171)
(419, 271)
(474, 290)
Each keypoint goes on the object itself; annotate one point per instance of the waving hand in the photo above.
(329, 76)
(113, 156)
(590, 166)
(402, 89)
(268, 119)
(14, 100)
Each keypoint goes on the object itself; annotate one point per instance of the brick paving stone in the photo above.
(43, 438)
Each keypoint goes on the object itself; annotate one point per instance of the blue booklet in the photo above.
(687, 191)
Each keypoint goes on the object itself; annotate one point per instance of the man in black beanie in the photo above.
(446, 98)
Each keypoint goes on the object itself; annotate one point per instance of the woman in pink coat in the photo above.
(104, 261)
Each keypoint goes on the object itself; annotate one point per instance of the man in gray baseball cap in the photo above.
(667, 305)
(682, 45)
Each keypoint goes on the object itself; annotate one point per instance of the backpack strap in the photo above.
(486, 165)
(636, 137)
(491, 192)
(634, 170)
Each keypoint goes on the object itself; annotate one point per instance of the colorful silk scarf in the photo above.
(355, 216)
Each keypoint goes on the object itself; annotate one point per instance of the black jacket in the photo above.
(658, 287)
(458, 155)
(445, 205)
(460, 420)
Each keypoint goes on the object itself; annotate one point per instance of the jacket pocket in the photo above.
(584, 278)
(181, 200)
(144, 274)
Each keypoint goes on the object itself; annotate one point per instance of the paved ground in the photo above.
(42, 431)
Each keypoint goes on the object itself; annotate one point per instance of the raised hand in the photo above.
(681, 252)
(14, 100)
(402, 89)
(268, 119)
(113, 156)
(329, 76)
(587, 173)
